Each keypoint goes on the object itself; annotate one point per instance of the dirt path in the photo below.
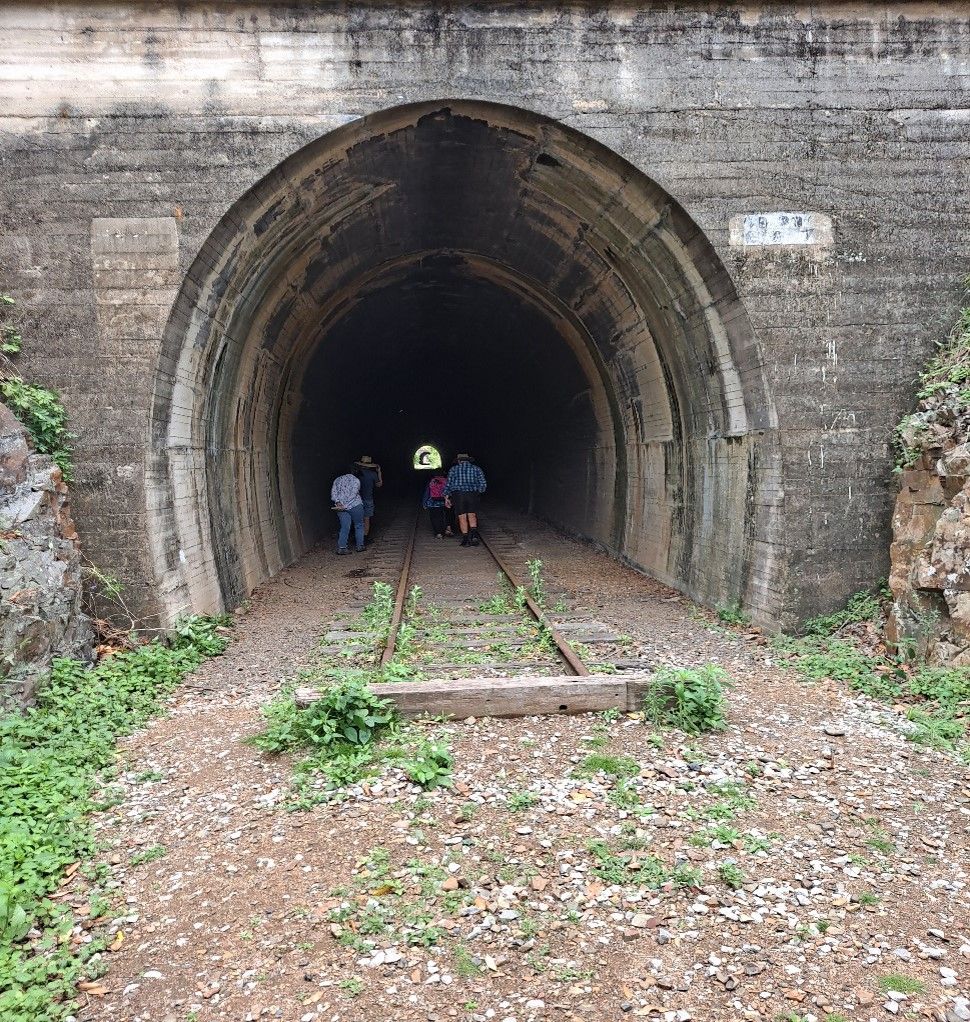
(832, 855)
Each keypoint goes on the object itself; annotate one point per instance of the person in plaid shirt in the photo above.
(466, 484)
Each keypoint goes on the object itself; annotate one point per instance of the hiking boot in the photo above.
(475, 538)
(465, 541)
(342, 552)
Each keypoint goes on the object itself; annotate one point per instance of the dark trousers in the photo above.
(439, 519)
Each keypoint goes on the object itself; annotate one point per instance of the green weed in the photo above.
(519, 800)
(733, 615)
(50, 759)
(732, 875)
(901, 984)
(690, 700)
(613, 766)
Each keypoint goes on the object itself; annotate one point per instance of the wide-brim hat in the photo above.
(366, 461)
(463, 457)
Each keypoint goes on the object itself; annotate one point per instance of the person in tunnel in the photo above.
(464, 487)
(434, 502)
(345, 494)
(371, 479)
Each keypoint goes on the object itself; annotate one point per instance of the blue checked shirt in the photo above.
(465, 477)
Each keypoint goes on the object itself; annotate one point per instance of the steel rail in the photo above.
(402, 590)
(566, 651)
(562, 643)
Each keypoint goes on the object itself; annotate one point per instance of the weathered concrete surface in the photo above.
(821, 152)
(40, 567)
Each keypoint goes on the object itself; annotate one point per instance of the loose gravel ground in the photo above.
(806, 863)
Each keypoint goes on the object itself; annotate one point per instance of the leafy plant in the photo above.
(50, 758)
(733, 615)
(732, 875)
(537, 590)
(861, 607)
(41, 411)
(10, 338)
(518, 800)
(691, 700)
(347, 713)
(430, 765)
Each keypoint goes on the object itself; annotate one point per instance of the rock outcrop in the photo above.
(40, 568)
(930, 554)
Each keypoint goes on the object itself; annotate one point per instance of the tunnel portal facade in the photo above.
(489, 277)
(669, 272)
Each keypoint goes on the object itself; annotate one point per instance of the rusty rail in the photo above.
(566, 651)
(562, 643)
(402, 592)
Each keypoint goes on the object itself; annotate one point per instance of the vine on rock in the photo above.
(39, 409)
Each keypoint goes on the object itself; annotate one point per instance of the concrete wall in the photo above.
(128, 131)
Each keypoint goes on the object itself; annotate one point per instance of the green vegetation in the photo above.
(901, 984)
(940, 695)
(10, 338)
(518, 800)
(349, 732)
(948, 374)
(733, 615)
(732, 875)
(612, 766)
(149, 855)
(537, 590)
(860, 608)
(691, 700)
(52, 758)
(637, 870)
(41, 411)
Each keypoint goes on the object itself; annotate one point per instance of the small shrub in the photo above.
(936, 730)
(41, 411)
(430, 765)
(348, 713)
(690, 700)
(731, 875)
(733, 615)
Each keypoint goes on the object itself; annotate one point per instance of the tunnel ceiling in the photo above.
(488, 264)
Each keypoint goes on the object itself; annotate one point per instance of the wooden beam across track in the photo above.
(522, 696)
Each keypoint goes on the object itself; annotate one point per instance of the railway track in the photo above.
(440, 612)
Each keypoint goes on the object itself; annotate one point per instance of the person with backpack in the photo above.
(465, 485)
(434, 501)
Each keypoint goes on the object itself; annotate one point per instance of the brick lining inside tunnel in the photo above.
(477, 276)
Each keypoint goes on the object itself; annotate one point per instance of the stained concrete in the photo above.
(731, 231)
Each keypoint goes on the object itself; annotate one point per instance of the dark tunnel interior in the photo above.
(458, 362)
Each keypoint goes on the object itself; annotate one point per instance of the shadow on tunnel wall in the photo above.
(486, 279)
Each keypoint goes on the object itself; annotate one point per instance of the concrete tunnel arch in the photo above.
(476, 275)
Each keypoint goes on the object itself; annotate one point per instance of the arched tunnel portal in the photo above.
(481, 278)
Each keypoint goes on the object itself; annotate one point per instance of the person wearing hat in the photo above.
(466, 484)
(369, 474)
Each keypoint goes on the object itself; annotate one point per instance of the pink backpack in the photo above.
(436, 488)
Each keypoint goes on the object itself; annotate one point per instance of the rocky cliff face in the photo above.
(930, 554)
(40, 570)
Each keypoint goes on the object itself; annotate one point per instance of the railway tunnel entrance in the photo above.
(470, 276)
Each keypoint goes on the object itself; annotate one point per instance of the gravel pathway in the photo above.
(806, 863)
